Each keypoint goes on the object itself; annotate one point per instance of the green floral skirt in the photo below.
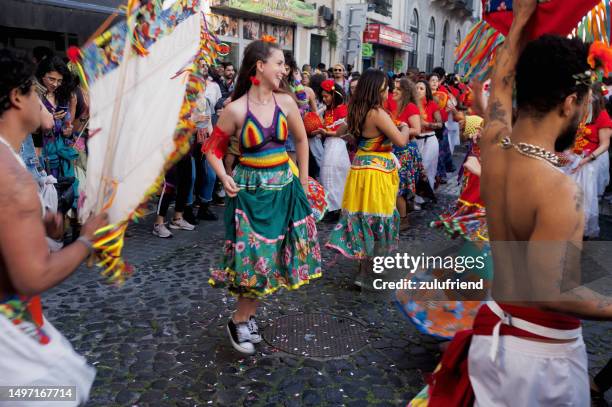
(270, 235)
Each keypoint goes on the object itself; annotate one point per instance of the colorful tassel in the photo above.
(74, 56)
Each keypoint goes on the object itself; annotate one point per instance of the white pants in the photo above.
(25, 362)
(430, 149)
(335, 168)
(603, 172)
(528, 373)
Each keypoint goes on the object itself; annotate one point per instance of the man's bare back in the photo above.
(517, 191)
(534, 211)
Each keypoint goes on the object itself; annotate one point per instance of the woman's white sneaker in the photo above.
(181, 224)
(160, 230)
(254, 330)
(240, 337)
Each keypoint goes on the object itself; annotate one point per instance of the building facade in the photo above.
(402, 34)
(55, 24)
(392, 35)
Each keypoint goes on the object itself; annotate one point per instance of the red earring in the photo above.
(255, 81)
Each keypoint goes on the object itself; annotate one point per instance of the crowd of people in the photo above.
(380, 144)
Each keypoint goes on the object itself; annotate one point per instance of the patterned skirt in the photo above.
(270, 235)
(442, 313)
(411, 169)
(438, 313)
(369, 223)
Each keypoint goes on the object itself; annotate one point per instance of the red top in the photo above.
(410, 110)
(428, 111)
(390, 104)
(592, 137)
(450, 90)
(444, 114)
(332, 117)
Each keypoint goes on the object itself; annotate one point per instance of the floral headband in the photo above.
(329, 86)
(600, 56)
(269, 38)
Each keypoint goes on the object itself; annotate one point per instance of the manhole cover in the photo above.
(316, 335)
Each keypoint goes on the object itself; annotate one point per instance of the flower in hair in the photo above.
(600, 55)
(328, 85)
(269, 38)
(254, 81)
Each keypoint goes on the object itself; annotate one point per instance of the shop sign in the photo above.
(381, 34)
(295, 11)
(367, 50)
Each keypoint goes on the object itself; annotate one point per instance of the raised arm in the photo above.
(498, 116)
(478, 107)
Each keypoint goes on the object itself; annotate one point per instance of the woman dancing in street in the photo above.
(411, 162)
(270, 233)
(369, 222)
(431, 121)
(336, 162)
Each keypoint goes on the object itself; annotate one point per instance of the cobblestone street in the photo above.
(160, 340)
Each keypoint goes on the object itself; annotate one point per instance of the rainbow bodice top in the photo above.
(264, 147)
(380, 144)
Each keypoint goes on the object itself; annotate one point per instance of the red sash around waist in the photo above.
(450, 385)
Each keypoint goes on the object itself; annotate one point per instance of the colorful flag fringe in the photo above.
(476, 53)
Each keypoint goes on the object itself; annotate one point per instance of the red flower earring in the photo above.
(254, 81)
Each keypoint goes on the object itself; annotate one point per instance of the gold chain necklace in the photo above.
(532, 151)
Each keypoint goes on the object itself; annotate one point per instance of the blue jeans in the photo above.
(208, 184)
(193, 178)
(29, 157)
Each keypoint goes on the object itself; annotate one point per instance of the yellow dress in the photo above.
(369, 223)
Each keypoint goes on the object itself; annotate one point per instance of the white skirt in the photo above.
(528, 373)
(316, 148)
(334, 170)
(603, 172)
(25, 362)
(430, 149)
(587, 179)
(453, 134)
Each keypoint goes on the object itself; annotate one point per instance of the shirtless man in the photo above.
(31, 354)
(535, 221)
